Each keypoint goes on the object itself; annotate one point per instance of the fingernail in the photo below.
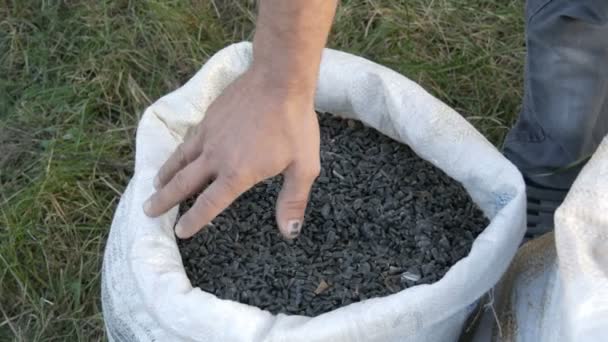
(147, 206)
(294, 227)
(156, 182)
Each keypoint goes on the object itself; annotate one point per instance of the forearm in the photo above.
(289, 39)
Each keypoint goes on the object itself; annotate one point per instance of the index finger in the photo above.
(217, 197)
(185, 153)
(185, 183)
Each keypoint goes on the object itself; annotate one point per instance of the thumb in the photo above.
(292, 200)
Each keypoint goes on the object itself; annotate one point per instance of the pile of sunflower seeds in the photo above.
(380, 219)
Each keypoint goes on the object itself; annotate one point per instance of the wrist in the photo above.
(284, 81)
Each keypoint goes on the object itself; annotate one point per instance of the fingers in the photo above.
(182, 156)
(293, 200)
(217, 197)
(184, 183)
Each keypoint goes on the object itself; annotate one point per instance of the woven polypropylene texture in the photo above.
(148, 297)
(581, 236)
(556, 288)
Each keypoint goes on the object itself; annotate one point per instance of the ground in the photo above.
(76, 75)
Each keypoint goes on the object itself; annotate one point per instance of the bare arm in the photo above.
(289, 39)
(270, 109)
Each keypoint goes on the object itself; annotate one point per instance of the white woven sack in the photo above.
(556, 289)
(581, 236)
(147, 296)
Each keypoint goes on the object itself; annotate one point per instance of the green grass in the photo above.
(76, 75)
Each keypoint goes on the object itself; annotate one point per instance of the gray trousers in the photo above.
(565, 107)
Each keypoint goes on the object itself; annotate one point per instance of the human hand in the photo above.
(254, 130)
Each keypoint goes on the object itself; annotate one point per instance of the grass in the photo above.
(76, 75)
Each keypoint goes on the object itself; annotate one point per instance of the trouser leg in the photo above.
(565, 108)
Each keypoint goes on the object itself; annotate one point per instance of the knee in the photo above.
(594, 12)
(563, 16)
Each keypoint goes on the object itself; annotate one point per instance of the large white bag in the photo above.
(557, 287)
(147, 296)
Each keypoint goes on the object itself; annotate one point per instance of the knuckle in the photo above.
(312, 172)
(235, 177)
(162, 172)
(180, 153)
(315, 171)
(214, 152)
(206, 201)
(295, 204)
(231, 173)
(182, 184)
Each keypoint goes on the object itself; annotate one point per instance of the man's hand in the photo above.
(262, 125)
(251, 132)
